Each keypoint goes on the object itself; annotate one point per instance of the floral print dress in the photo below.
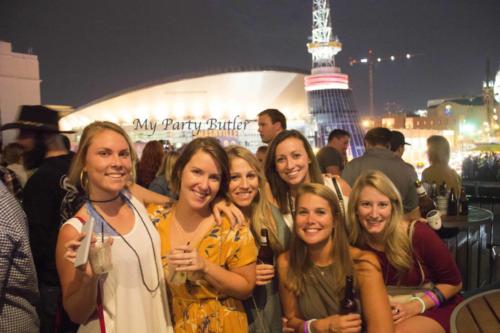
(196, 305)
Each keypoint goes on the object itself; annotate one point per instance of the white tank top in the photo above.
(128, 305)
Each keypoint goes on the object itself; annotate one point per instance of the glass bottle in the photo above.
(265, 256)
(348, 303)
(425, 203)
(452, 204)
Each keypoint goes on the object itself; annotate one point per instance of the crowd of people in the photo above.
(177, 235)
(482, 167)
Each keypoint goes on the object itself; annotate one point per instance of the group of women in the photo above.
(197, 271)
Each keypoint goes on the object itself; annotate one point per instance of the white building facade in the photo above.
(19, 85)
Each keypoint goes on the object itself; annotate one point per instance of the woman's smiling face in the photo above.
(314, 221)
(374, 210)
(292, 162)
(244, 182)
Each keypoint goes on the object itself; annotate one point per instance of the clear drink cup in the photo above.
(100, 255)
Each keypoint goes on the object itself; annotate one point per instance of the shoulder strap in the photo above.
(411, 231)
(333, 184)
(81, 219)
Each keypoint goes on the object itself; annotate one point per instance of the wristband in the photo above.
(433, 297)
(439, 295)
(309, 322)
(421, 301)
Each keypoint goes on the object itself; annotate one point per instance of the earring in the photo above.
(83, 180)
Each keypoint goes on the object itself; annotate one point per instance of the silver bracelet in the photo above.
(422, 303)
(309, 322)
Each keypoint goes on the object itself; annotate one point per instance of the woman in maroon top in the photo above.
(376, 216)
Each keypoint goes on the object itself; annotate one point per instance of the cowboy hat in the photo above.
(36, 118)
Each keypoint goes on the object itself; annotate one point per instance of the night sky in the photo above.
(89, 49)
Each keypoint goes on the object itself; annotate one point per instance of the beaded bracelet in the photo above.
(439, 295)
(433, 297)
(421, 301)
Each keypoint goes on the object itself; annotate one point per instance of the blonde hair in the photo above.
(300, 263)
(395, 237)
(261, 209)
(89, 132)
(438, 149)
(167, 165)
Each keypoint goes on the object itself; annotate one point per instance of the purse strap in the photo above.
(336, 189)
(99, 306)
(411, 231)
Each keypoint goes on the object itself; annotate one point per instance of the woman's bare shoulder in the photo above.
(364, 260)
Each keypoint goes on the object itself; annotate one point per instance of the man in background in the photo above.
(271, 122)
(261, 154)
(378, 156)
(333, 157)
(18, 282)
(398, 143)
(45, 155)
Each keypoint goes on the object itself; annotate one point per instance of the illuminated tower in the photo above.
(330, 100)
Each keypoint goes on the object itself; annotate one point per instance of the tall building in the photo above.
(330, 100)
(19, 84)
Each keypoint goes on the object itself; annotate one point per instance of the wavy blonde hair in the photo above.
(261, 210)
(301, 264)
(395, 237)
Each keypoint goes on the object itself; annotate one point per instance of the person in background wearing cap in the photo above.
(398, 143)
(378, 156)
(45, 152)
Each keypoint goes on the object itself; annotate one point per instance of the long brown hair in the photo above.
(395, 236)
(279, 188)
(261, 209)
(301, 264)
(207, 145)
(89, 132)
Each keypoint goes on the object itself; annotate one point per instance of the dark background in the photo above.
(89, 49)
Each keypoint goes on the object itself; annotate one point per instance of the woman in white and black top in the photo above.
(132, 291)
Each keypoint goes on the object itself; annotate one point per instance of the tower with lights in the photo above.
(330, 100)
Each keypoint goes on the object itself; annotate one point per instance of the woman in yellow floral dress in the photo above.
(209, 267)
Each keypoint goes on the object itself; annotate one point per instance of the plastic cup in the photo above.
(434, 219)
(100, 258)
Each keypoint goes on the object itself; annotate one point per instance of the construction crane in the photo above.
(371, 60)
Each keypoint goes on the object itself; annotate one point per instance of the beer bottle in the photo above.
(425, 203)
(452, 204)
(463, 204)
(265, 256)
(348, 303)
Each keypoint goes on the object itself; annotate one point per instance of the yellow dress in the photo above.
(196, 305)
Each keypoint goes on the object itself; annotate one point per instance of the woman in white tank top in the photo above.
(130, 296)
